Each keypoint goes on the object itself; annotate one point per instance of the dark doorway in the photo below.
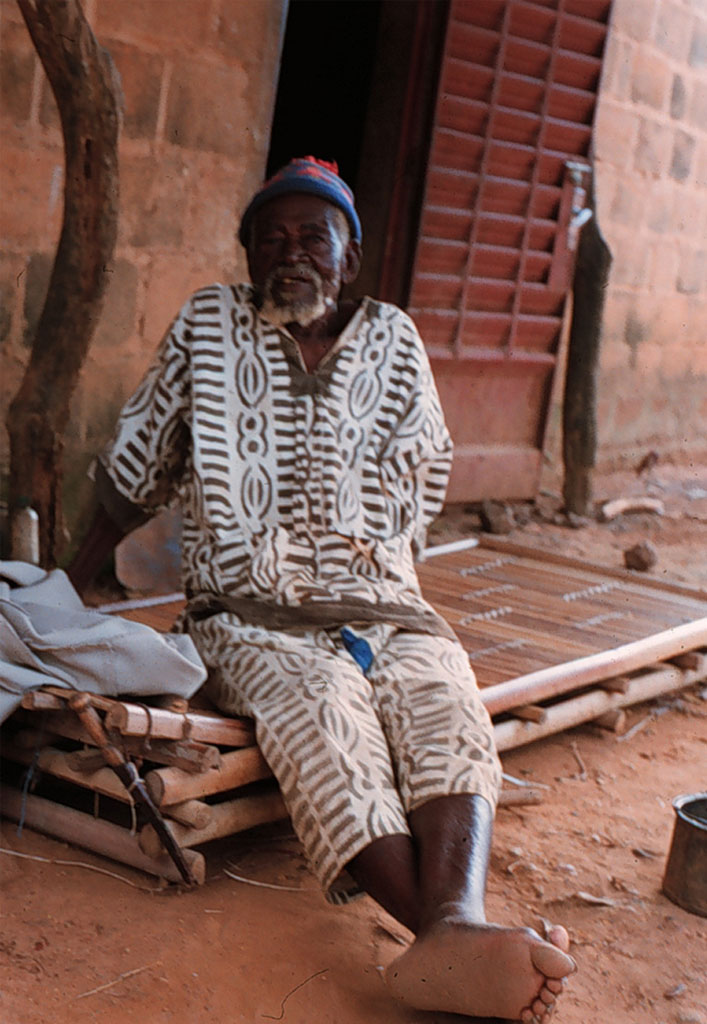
(325, 81)
(357, 85)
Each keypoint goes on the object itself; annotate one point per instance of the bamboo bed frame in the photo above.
(555, 642)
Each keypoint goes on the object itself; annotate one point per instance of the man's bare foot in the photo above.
(482, 970)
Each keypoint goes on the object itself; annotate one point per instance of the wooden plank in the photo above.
(101, 837)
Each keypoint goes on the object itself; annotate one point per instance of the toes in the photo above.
(547, 996)
(538, 1013)
(551, 961)
(554, 985)
(559, 937)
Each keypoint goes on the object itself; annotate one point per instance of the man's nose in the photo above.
(292, 249)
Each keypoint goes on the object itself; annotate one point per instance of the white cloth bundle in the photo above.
(47, 635)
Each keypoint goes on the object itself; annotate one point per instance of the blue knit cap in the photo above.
(313, 177)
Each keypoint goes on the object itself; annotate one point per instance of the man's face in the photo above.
(299, 257)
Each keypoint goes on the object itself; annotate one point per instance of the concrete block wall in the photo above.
(199, 79)
(651, 162)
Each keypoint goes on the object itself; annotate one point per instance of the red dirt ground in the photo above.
(78, 946)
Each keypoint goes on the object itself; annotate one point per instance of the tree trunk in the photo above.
(87, 91)
(579, 412)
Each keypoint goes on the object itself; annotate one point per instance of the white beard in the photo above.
(303, 312)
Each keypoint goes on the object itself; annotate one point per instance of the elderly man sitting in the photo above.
(303, 439)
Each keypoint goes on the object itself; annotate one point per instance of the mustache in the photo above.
(300, 270)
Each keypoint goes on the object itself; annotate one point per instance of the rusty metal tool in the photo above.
(128, 774)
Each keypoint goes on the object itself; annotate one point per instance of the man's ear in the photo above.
(352, 261)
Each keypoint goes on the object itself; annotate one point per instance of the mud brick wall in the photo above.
(199, 80)
(651, 158)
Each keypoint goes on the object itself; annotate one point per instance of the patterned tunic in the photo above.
(310, 494)
(294, 487)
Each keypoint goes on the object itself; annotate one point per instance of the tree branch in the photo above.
(87, 90)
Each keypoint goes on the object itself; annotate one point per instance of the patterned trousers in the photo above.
(353, 753)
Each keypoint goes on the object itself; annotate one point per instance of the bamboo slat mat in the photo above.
(519, 611)
(522, 612)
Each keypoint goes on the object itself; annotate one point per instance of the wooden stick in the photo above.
(52, 697)
(189, 755)
(561, 679)
(160, 723)
(589, 706)
(38, 700)
(613, 721)
(135, 720)
(617, 684)
(238, 767)
(641, 503)
(215, 728)
(62, 723)
(578, 758)
(517, 797)
(194, 813)
(54, 762)
(531, 713)
(691, 660)
(101, 837)
(85, 761)
(228, 817)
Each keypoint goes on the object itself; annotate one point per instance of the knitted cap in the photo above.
(313, 177)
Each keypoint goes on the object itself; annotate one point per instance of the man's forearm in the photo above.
(103, 535)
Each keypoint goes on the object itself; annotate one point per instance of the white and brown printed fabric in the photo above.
(305, 498)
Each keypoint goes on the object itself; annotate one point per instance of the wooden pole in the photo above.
(194, 813)
(579, 406)
(238, 767)
(585, 708)
(560, 679)
(134, 720)
(101, 837)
